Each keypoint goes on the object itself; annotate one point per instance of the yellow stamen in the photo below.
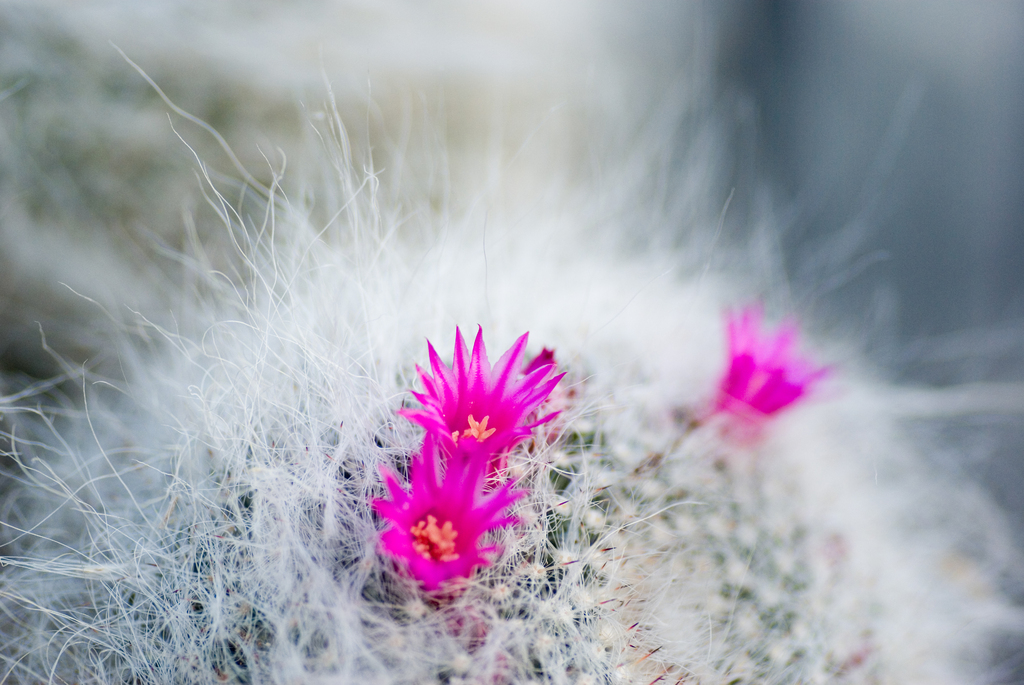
(478, 430)
(435, 543)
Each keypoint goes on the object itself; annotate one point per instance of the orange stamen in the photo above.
(478, 430)
(433, 543)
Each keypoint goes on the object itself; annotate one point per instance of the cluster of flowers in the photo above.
(475, 414)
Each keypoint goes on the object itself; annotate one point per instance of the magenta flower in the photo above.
(435, 529)
(480, 410)
(545, 358)
(765, 375)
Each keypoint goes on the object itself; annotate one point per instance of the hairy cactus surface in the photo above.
(243, 471)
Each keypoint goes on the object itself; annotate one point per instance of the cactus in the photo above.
(205, 502)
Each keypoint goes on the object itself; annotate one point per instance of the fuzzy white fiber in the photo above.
(187, 500)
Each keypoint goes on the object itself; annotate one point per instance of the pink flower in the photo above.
(765, 375)
(481, 410)
(545, 358)
(435, 528)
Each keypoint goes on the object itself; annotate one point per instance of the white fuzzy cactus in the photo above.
(195, 507)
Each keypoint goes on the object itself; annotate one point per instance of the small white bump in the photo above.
(461, 663)
(415, 609)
